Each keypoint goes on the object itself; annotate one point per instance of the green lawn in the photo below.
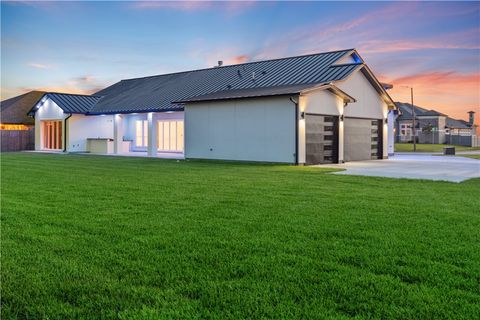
(91, 237)
(421, 147)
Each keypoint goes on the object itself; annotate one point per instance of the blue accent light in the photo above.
(356, 58)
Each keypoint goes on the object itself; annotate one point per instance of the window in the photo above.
(52, 135)
(141, 133)
(170, 135)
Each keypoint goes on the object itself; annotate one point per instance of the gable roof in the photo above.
(157, 93)
(406, 110)
(69, 102)
(14, 110)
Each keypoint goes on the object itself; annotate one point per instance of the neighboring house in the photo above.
(433, 127)
(312, 109)
(16, 127)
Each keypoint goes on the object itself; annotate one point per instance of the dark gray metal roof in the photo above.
(248, 93)
(73, 103)
(156, 93)
(265, 92)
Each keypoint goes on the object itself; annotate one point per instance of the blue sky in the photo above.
(84, 46)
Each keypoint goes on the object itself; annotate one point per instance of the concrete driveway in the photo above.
(414, 166)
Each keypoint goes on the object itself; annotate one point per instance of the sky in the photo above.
(81, 47)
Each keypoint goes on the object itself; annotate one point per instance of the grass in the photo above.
(91, 237)
(422, 147)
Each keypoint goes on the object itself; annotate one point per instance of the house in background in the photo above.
(16, 127)
(312, 109)
(434, 127)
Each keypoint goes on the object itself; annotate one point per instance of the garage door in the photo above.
(362, 139)
(321, 134)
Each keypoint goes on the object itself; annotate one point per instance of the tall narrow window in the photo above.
(52, 135)
(141, 133)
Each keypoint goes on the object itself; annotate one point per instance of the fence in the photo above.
(460, 140)
(17, 140)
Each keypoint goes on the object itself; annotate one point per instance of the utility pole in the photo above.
(413, 122)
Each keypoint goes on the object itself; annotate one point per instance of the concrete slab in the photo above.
(414, 166)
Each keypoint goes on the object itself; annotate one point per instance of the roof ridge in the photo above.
(75, 94)
(242, 64)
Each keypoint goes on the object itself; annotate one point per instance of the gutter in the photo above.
(65, 132)
(296, 129)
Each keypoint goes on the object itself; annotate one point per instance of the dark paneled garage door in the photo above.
(362, 139)
(321, 139)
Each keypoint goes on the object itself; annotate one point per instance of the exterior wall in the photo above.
(369, 103)
(48, 111)
(81, 127)
(319, 102)
(392, 130)
(260, 129)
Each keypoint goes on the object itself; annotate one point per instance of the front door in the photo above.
(52, 134)
(170, 136)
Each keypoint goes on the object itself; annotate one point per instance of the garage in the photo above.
(363, 139)
(321, 138)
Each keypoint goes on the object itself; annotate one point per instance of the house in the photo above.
(311, 109)
(16, 127)
(434, 127)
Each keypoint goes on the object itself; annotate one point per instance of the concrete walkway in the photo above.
(415, 166)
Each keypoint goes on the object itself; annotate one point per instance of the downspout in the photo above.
(296, 129)
(65, 133)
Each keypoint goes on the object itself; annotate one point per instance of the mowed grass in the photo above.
(425, 147)
(91, 237)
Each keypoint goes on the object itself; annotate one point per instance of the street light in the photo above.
(413, 118)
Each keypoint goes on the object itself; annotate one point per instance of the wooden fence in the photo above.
(17, 140)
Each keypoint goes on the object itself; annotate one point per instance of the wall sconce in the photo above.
(386, 120)
(302, 115)
(342, 117)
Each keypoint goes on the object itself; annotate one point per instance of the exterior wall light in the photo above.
(302, 115)
(342, 117)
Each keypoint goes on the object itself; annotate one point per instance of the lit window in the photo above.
(141, 130)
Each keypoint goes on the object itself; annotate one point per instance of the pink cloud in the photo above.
(175, 5)
(39, 65)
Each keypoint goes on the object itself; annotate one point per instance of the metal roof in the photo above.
(73, 103)
(156, 93)
(266, 92)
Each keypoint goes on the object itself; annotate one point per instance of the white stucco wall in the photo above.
(251, 129)
(321, 102)
(369, 103)
(81, 127)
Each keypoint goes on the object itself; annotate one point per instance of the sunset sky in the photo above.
(84, 46)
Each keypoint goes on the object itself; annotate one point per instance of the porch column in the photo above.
(341, 130)
(117, 133)
(152, 134)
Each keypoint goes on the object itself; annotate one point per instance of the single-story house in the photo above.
(311, 109)
(434, 127)
(16, 127)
